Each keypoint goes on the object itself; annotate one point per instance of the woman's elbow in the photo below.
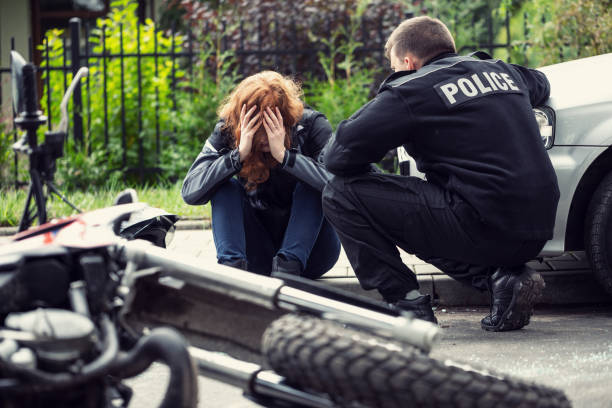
(190, 196)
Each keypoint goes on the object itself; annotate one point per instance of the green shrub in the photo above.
(349, 79)
(201, 94)
(100, 160)
(283, 25)
(340, 99)
(6, 155)
(558, 30)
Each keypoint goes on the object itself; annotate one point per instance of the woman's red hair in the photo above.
(265, 89)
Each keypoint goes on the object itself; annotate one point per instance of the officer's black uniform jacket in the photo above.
(470, 128)
(219, 161)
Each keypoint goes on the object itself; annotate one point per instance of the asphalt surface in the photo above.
(566, 348)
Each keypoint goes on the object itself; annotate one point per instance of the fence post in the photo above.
(75, 63)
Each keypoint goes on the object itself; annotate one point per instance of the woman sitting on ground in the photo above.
(260, 169)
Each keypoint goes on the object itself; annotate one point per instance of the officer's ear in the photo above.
(412, 62)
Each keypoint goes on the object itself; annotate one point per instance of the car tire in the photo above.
(598, 233)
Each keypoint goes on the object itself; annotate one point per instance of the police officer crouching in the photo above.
(489, 202)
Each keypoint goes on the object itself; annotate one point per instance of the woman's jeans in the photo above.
(242, 232)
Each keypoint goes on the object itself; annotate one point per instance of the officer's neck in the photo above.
(439, 57)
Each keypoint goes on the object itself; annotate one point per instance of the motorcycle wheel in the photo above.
(359, 369)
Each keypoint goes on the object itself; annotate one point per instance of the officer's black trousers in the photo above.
(375, 213)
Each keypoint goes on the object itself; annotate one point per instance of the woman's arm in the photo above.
(307, 166)
(215, 164)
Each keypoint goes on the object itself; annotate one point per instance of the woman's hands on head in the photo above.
(249, 124)
(272, 121)
(273, 124)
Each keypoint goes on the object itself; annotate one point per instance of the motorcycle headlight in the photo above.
(546, 122)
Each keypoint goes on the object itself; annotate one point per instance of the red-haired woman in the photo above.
(269, 217)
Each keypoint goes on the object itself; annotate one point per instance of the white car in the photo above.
(576, 128)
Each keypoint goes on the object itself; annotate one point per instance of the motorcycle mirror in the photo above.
(126, 196)
(17, 64)
(63, 125)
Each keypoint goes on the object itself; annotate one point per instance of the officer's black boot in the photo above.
(421, 307)
(514, 291)
(280, 264)
(236, 263)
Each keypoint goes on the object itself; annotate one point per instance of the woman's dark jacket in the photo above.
(219, 161)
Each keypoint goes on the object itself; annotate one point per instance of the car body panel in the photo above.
(579, 83)
(584, 125)
(570, 163)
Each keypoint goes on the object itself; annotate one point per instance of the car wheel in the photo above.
(598, 233)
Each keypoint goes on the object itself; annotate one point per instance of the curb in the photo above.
(7, 231)
(182, 225)
(187, 224)
(562, 288)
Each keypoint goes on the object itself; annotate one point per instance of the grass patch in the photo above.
(166, 197)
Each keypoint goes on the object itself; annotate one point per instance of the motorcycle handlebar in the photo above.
(273, 294)
(63, 126)
(29, 91)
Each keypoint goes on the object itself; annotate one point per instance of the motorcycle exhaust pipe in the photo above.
(253, 380)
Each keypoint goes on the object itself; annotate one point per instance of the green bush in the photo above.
(201, 94)
(99, 160)
(340, 99)
(6, 156)
(558, 30)
(349, 79)
(349, 74)
(468, 21)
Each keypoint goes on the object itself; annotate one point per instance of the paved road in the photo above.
(570, 349)
(566, 348)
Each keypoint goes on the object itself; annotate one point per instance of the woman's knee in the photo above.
(231, 189)
(306, 194)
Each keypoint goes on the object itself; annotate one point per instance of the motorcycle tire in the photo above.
(359, 369)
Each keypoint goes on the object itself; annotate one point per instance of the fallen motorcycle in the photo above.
(73, 291)
(76, 319)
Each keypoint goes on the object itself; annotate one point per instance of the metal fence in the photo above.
(294, 60)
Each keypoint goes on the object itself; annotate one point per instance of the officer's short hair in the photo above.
(422, 36)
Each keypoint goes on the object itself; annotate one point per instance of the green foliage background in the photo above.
(543, 32)
(348, 79)
(100, 161)
(558, 30)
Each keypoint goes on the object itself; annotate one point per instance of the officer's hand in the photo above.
(249, 124)
(273, 123)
